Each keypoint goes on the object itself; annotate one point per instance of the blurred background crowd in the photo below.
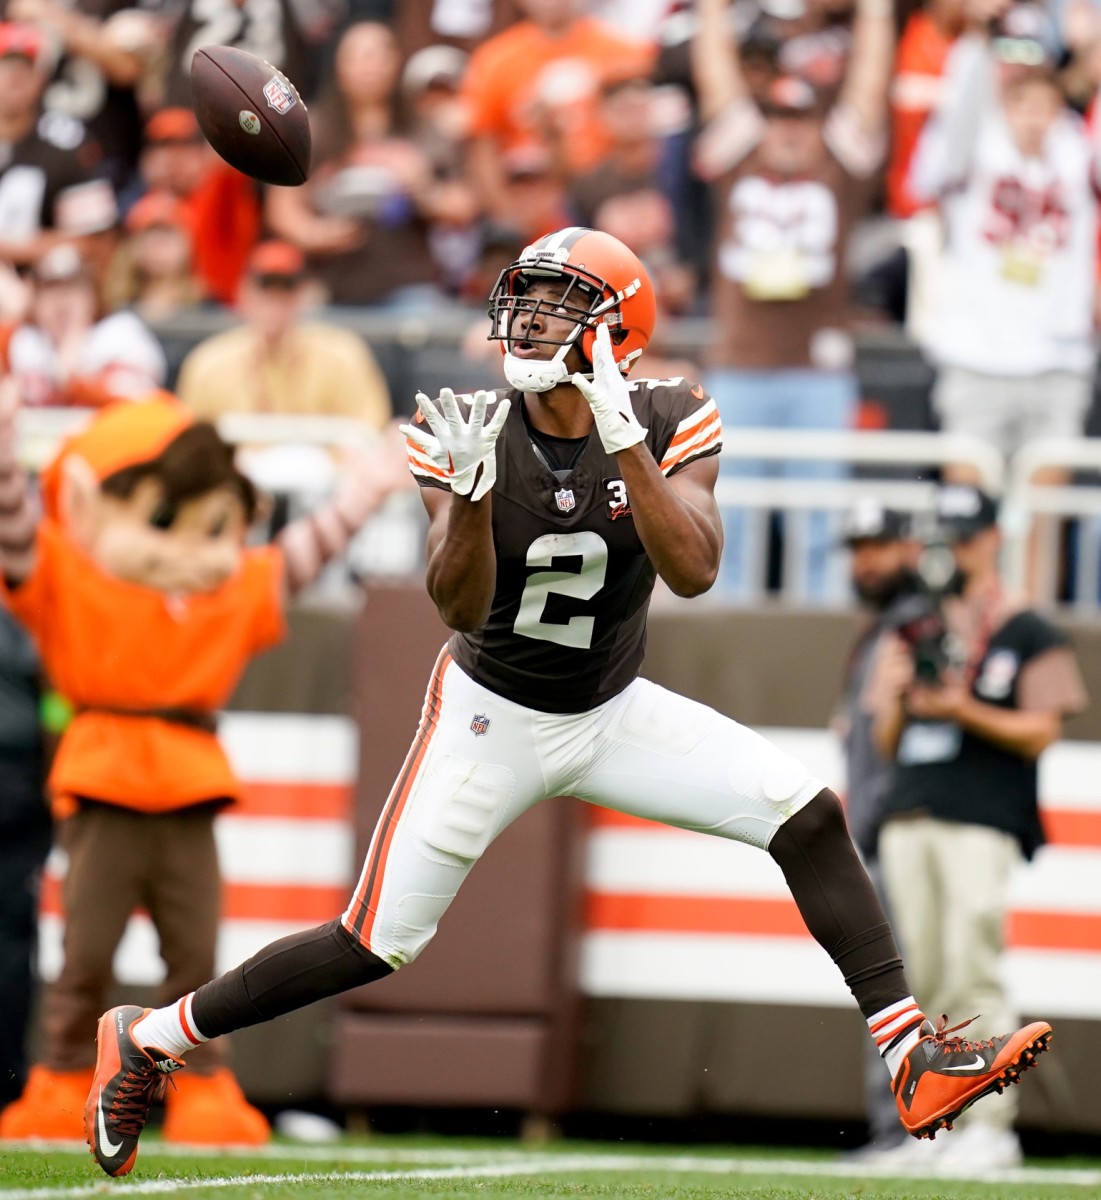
(795, 174)
(446, 136)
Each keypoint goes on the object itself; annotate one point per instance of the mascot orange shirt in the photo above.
(145, 669)
(146, 602)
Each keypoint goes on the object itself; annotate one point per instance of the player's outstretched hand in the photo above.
(609, 396)
(466, 446)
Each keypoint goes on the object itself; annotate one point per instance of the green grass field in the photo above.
(422, 1169)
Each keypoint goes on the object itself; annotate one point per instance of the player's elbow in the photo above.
(693, 581)
(462, 615)
(461, 622)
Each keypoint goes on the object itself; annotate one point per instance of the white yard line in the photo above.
(521, 1164)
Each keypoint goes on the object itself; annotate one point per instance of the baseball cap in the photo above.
(962, 511)
(1025, 36)
(434, 66)
(277, 260)
(61, 264)
(871, 521)
(527, 160)
(20, 41)
(169, 125)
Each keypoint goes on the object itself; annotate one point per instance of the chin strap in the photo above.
(536, 375)
(540, 375)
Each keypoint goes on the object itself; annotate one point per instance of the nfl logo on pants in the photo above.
(479, 724)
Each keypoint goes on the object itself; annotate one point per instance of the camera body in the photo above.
(918, 618)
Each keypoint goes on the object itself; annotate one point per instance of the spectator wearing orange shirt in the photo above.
(542, 74)
(916, 90)
(220, 205)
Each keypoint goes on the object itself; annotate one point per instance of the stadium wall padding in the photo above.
(492, 1013)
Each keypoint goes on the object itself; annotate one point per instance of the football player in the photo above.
(555, 504)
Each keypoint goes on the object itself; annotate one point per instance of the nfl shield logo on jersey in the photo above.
(479, 724)
(565, 501)
(279, 95)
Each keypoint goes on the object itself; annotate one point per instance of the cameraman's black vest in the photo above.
(973, 780)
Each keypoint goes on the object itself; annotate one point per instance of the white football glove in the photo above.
(609, 396)
(459, 447)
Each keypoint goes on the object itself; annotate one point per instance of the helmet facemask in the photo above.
(585, 299)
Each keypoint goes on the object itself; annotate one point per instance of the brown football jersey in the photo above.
(567, 626)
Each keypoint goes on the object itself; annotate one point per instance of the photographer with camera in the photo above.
(966, 693)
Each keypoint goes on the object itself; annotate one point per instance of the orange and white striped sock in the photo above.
(171, 1029)
(897, 1030)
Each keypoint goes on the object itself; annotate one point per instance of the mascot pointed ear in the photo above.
(78, 500)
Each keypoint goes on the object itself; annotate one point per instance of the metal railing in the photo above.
(899, 467)
(1030, 504)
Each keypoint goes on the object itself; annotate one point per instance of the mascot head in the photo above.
(152, 496)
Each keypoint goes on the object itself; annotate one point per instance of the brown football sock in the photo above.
(838, 902)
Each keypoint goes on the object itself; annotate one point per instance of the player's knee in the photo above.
(821, 820)
(363, 962)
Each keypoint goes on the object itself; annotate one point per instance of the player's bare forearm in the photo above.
(716, 70)
(869, 74)
(887, 722)
(1027, 734)
(462, 566)
(676, 518)
(85, 37)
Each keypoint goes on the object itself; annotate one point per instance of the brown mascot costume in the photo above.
(146, 606)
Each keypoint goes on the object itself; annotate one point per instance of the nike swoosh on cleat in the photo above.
(111, 1147)
(978, 1064)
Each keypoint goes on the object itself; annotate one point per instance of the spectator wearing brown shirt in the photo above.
(789, 181)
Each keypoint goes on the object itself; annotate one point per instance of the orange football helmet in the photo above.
(603, 281)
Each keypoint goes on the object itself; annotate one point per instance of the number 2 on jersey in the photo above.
(580, 584)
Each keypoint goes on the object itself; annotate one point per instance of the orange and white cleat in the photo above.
(128, 1080)
(942, 1075)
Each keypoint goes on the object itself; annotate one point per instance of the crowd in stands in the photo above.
(743, 149)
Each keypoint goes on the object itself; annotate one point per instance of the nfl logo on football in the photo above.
(479, 724)
(278, 94)
(565, 501)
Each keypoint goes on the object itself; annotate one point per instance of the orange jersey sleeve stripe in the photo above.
(360, 915)
(713, 439)
(420, 463)
(696, 434)
(690, 426)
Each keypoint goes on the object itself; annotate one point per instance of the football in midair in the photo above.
(251, 114)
